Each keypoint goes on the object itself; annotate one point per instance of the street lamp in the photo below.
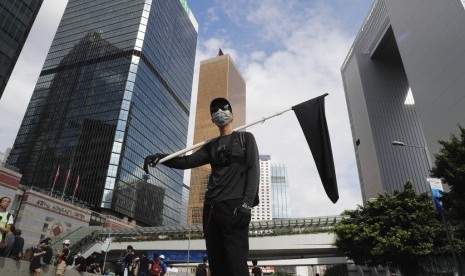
(449, 238)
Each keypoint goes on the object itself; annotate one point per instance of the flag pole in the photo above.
(55, 179)
(75, 189)
(198, 145)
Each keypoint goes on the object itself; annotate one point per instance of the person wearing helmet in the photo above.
(62, 257)
(231, 191)
(163, 264)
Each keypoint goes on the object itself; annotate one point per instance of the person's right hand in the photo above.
(152, 161)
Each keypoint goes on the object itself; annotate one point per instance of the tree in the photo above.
(393, 230)
(450, 167)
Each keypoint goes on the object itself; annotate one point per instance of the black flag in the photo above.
(312, 119)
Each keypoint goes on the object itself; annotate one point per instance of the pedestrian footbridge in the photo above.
(304, 241)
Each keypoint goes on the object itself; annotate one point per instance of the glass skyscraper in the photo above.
(115, 87)
(280, 187)
(16, 19)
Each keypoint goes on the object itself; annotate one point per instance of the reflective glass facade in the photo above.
(218, 77)
(16, 19)
(281, 195)
(115, 87)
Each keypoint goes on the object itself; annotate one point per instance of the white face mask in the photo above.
(221, 117)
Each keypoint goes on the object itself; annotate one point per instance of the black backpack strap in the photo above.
(242, 139)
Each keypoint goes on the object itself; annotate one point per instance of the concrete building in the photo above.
(403, 81)
(115, 87)
(218, 77)
(263, 211)
(16, 19)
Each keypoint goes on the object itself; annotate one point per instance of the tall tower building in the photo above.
(16, 19)
(218, 77)
(403, 82)
(264, 211)
(115, 87)
(281, 200)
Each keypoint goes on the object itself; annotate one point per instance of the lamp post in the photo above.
(190, 211)
(446, 227)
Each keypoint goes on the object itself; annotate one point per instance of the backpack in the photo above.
(201, 270)
(156, 269)
(120, 265)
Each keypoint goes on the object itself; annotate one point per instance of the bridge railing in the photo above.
(256, 228)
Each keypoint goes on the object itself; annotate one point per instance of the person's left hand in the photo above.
(152, 161)
(242, 210)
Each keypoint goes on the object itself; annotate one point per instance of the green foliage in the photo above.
(392, 230)
(450, 167)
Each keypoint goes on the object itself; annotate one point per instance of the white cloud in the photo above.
(21, 84)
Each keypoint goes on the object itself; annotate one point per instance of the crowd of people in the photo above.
(41, 255)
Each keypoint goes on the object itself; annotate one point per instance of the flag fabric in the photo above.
(67, 180)
(312, 119)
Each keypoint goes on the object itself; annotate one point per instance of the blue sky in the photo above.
(288, 51)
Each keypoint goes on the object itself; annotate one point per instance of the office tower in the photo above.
(403, 81)
(218, 77)
(281, 199)
(184, 204)
(263, 211)
(16, 19)
(115, 87)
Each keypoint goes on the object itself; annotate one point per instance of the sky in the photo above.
(288, 52)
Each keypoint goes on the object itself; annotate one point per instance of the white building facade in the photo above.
(264, 210)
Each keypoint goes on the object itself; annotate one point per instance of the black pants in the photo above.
(227, 238)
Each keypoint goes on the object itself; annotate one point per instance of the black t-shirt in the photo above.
(256, 271)
(81, 262)
(237, 178)
(48, 255)
(144, 264)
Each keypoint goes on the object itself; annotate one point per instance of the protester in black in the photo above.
(144, 264)
(36, 263)
(49, 251)
(202, 268)
(256, 271)
(123, 260)
(231, 192)
(80, 262)
(16, 251)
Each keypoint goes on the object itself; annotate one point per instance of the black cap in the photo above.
(219, 103)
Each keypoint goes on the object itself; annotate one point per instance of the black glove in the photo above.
(243, 209)
(152, 161)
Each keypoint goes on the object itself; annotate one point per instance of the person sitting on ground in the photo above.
(17, 249)
(6, 221)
